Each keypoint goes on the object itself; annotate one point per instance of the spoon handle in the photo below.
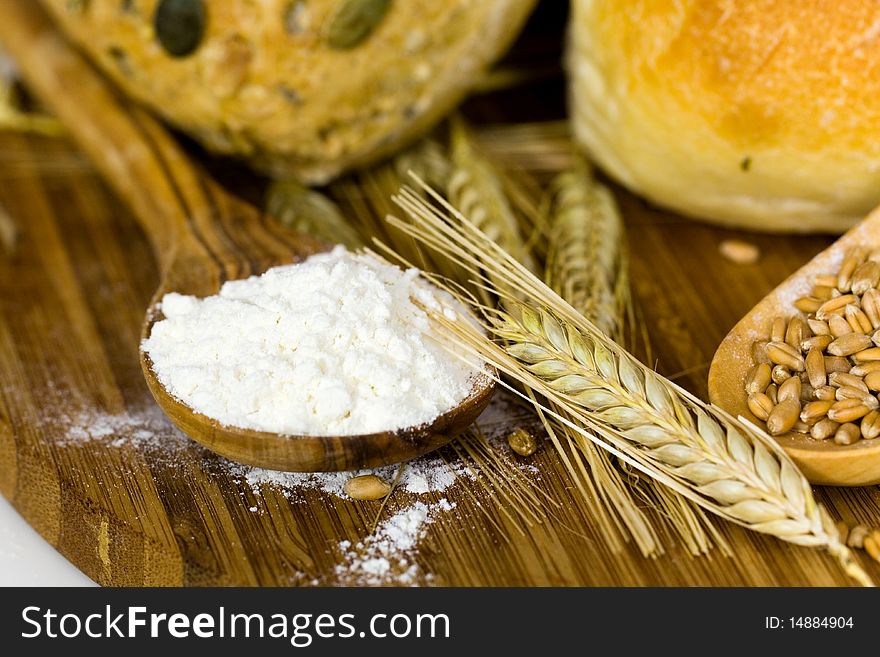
(183, 211)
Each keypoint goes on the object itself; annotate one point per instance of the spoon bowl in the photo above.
(202, 236)
(822, 462)
(295, 453)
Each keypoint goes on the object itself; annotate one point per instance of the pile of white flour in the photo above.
(334, 345)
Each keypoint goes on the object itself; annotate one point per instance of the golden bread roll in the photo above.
(762, 114)
(302, 88)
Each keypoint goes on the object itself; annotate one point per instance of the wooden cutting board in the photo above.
(90, 462)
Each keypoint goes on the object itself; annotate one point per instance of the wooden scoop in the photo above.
(202, 236)
(823, 462)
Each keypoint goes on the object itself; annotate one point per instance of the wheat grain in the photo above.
(790, 389)
(835, 305)
(824, 429)
(823, 292)
(367, 487)
(780, 374)
(785, 355)
(849, 410)
(837, 364)
(739, 252)
(872, 380)
(847, 434)
(838, 326)
(870, 425)
(864, 369)
(777, 329)
(857, 319)
(812, 411)
(867, 355)
(871, 306)
(815, 368)
(853, 259)
(522, 442)
(847, 345)
(840, 379)
(761, 405)
(824, 393)
(783, 417)
(796, 332)
(808, 304)
(857, 536)
(865, 277)
(819, 342)
(848, 392)
(758, 379)
(818, 327)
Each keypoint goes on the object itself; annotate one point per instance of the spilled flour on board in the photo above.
(148, 428)
(386, 557)
(428, 474)
(387, 554)
(143, 427)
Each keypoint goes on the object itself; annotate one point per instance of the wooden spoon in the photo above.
(202, 236)
(823, 462)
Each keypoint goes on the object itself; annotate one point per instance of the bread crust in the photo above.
(759, 114)
(264, 83)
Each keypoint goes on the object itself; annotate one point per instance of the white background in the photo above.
(28, 560)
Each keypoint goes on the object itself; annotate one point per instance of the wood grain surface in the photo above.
(139, 504)
(89, 460)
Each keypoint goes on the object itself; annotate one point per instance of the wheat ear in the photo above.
(308, 211)
(726, 465)
(586, 259)
(476, 188)
(544, 148)
(587, 266)
(584, 265)
(428, 159)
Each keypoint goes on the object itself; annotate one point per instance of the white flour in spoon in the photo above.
(334, 345)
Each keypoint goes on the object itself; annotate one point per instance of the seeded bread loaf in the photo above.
(302, 88)
(754, 113)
